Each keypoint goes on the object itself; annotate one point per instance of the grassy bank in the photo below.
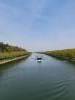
(13, 54)
(12, 59)
(66, 54)
(10, 53)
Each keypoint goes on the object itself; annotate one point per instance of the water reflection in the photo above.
(48, 79)
(39, 61)
(10, 65)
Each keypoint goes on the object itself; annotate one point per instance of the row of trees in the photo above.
(9, 52)
(6, 47)
(68, 54)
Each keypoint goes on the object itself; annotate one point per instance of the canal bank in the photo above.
(13, 59)
(9, 53)
(66, 54)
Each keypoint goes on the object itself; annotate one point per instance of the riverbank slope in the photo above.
(66, 54)
(11, 53)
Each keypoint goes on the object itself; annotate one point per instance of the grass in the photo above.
(66, 54)
(13, 54)
(10, 52)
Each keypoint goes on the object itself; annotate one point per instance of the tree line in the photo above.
(8, 52)
(8, 48)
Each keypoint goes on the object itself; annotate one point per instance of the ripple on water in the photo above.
(29, 80)
(57, 91)
(60, 90)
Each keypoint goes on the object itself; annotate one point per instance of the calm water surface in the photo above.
(28, 79)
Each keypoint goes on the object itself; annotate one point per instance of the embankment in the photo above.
(10, 53)
(13, 59)
(66, 54)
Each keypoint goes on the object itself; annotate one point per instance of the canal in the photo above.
(50, 79)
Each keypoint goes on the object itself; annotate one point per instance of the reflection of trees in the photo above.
(11, 65)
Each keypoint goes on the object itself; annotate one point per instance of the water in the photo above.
(28, 79)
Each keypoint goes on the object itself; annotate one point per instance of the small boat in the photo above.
(39, 58)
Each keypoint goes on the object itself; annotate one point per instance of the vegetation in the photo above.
(66, 54)
(8, 52)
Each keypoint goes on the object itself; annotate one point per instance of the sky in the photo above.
(38, 25)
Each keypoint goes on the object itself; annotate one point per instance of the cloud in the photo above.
(38, 24)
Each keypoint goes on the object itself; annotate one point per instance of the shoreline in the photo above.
(14, 59)
(62, 58)
(65, 54)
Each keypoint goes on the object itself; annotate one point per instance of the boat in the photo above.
(39, 58)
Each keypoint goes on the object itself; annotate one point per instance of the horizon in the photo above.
(38, 25)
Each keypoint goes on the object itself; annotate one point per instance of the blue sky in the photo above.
(38, 24)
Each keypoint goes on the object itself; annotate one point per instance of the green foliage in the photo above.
(68, 54)
(7, 51)
(6, 47)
